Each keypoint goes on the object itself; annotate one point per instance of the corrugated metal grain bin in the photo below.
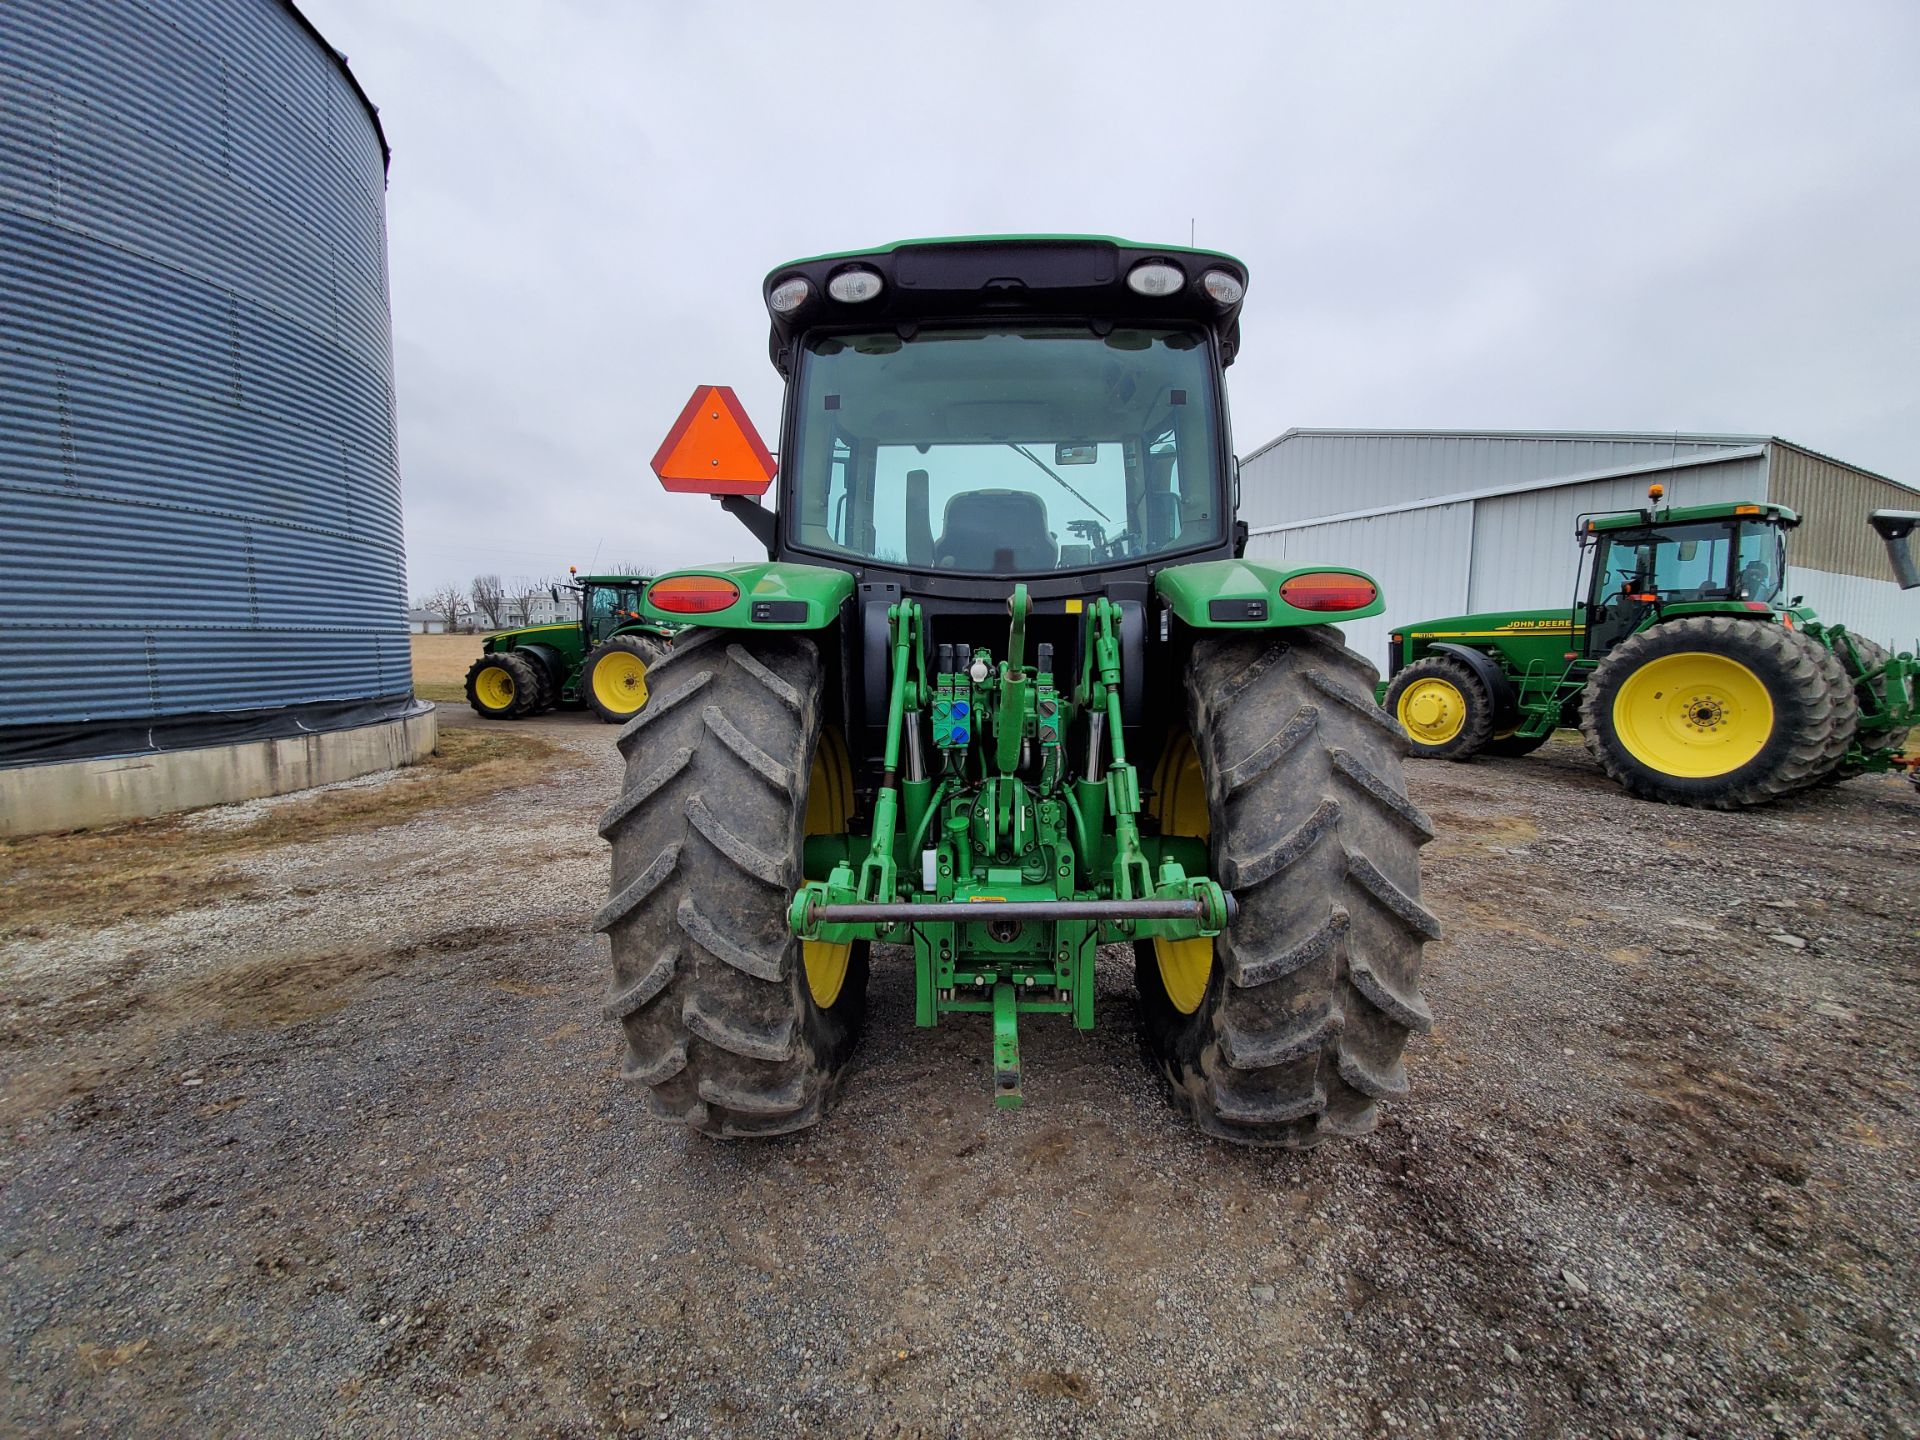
(200, 526)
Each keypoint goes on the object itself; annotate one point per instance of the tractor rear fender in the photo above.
(764, 595)
(554, 662)
(1246, 595)
(650, 632)
(1506, 704)
(527, 637)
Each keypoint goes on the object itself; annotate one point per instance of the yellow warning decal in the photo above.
(1531, 628)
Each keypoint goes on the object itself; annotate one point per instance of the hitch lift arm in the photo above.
(1007, 877)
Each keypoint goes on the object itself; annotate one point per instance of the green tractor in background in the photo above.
(600, 660)
(1002, 693)
(1692, 679)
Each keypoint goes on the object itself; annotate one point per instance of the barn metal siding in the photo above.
(1524, 549)
(1878, 609)
(1833, 501)
(1306, 474)
(200, 501)
(1405, 553)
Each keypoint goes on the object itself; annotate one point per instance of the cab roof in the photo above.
(1018, 277)
(1683, 514)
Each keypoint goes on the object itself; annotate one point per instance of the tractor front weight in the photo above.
(1004, 875)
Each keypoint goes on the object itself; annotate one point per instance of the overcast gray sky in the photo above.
(1613, 216)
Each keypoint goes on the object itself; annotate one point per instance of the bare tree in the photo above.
(489, 598)
(447, 602)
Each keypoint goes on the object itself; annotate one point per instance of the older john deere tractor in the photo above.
(1692, 677)
(1002, 693)
(599, 661)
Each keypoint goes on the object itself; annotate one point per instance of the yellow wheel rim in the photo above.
(1180, 802)
(1432, 710)
(494, 686)
(620, 682)
(1693, 715)
(829, 812)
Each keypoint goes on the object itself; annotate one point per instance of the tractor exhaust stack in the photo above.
(1896, 528)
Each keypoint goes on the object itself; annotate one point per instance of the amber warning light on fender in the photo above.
(1324, 590)
(693, 594)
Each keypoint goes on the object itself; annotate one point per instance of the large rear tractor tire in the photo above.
(546, 688)
(614, 676)
(733, 1027)
(502, 686)
(1443, 707)
(1289, 1026)
(1716, 712)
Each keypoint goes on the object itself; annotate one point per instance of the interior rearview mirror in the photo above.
(1688, 549)
(1075, 454)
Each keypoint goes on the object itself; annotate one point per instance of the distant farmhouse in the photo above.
(514, 613)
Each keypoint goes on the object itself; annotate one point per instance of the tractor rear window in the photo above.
(1006, 451)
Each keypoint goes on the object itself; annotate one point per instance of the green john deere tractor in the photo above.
(1693, 679)
(600, 660)
(1003, 693)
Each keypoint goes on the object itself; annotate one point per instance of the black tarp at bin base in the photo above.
(107, 739)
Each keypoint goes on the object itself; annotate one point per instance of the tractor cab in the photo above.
(965, 414)
(1663, 560)
(609, 603)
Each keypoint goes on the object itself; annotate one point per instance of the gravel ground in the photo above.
(343, 1151)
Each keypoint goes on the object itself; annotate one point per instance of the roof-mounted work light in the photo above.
(1155, 278)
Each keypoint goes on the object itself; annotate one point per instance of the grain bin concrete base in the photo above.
(82, 794)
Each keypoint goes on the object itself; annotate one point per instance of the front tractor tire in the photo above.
(502, 686)
(1717, 712)
(1289, 1026)
(1443, 707)
(733, 1027)
(614, 676)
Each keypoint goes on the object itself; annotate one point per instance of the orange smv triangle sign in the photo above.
(713, 448)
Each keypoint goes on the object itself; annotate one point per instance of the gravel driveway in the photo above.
(336, 1145)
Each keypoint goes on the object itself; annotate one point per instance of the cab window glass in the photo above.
(1761, 567)
(1680, 562)
(1006, 452)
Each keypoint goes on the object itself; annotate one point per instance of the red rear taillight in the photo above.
(693, 594)
(1329, 590)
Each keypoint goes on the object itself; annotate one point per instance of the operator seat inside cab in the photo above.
(995, 530)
